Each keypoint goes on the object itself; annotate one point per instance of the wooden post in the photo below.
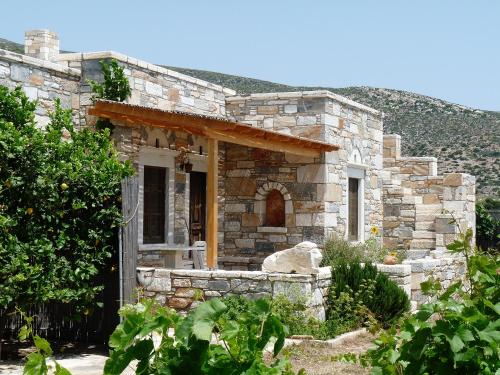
(129, 242)
(212, 204)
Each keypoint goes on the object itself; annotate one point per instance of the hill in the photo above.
(464, 139)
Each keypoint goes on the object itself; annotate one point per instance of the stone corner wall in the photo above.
(423, 213)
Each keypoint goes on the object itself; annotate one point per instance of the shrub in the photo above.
(357, 290)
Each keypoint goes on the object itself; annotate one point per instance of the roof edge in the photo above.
(306, 94)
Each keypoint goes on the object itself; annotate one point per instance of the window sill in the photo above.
(272, 229)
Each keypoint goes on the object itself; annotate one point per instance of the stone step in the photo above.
(417, 253)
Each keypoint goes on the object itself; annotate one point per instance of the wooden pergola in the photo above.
(214, 129)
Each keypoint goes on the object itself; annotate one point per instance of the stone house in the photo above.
(249, 174)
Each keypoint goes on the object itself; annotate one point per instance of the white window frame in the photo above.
(150, 156)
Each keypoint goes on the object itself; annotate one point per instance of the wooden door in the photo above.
(353, 209)
(197, 206)
(154, 204)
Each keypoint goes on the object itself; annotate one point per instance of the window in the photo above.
(154, 204)
(353, 225)
(275, 209)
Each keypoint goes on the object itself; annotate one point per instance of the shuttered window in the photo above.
(154, 204)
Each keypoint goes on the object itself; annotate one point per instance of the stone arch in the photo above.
(261, 205)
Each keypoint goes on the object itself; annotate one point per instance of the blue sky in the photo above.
(449, 49)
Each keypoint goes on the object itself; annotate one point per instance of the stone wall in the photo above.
(152, 85)
(324, 116)
(183, 289)
(43, 81)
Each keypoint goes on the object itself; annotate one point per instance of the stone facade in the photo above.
(321, 185)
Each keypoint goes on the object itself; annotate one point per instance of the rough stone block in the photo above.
(453, 179)
(219, 285)
(312, 173)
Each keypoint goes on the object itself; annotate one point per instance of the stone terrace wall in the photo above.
(182, 289)
(43, 81)
(324, 116)
(178, 288)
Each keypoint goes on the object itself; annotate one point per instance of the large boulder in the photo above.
(303, 258)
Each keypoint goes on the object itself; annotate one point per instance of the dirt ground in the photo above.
(317, 359)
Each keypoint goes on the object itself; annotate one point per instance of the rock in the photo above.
(303, 258)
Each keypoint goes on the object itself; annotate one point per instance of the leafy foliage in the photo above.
(144, 336)
(459, 332)
(115, 86)
(59, 205)
(359, 292)
(487, 227)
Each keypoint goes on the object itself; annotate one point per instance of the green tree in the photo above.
(59, 206)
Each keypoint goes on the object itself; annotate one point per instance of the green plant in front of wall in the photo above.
(207, 341)
(338, 250)
(359, 292)
(115, 86)
(457, 333)
(59, 206)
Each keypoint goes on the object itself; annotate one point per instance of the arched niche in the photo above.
(272, 204)
(275, 209)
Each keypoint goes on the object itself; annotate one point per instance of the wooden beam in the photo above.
(212, 203)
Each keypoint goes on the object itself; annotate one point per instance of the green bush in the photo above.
(191, 350)
(357, 290)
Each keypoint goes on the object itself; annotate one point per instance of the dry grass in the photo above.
(317, 359)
